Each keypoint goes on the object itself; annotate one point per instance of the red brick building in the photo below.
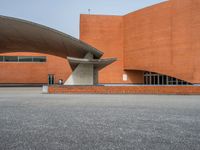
(157, 45)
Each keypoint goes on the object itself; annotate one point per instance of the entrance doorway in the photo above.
(51, 79)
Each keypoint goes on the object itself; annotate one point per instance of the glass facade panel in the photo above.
(161, 80)
(22, 58)
(25, 59)
(170, 80)
(152, 78)
(147, 80)
(51, 79)
(156, 80)
(1, 58)
(39, 59)
(180, 82)
(11, 59)
(164, 80)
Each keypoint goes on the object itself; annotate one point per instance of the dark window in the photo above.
(180, 82)
(39, 59)
(22, 58)
(170, 80)
(156, 80)
(148, 80)
(51, 79)
(25, 59)
(1, 58)
(160, 80)
(164, 80)
(152, 80)
(184, 83)
(174, 81)
(11, 59)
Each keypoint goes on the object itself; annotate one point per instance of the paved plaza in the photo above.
(30, 120)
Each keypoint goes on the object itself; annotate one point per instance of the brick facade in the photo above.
(33, 72)
(163, 38)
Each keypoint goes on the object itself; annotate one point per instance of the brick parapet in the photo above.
(159, 90)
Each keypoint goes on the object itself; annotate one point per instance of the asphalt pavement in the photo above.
(34, 121)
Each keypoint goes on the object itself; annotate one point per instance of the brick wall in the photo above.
(182, 90)
(33, 72)
(163, 38)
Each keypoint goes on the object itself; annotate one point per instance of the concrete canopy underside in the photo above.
(18, 35)
(98, 63)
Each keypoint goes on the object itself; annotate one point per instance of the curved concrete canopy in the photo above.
(98, 63)
(18, 35)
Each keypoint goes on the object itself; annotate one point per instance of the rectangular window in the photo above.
(145, 80)
(1, 58)
(148, 79)
(160, 79)
(39, 59)
(170, 80)
(11, 59)
(22, 58)
(155, 80)
(180, 82)
(174, 81)
(152, 80)
(25, 59)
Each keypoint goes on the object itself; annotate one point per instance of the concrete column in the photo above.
(84, 74)
(96, 76)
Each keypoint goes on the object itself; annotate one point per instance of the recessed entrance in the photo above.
(51, 79)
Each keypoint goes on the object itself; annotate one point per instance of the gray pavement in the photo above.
(20, 90)
(34, 121)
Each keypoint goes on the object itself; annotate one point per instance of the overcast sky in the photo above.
(63, 15)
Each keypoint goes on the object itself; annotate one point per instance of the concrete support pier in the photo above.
(85, 70)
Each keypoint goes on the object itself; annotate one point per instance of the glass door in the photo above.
(51, 79)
